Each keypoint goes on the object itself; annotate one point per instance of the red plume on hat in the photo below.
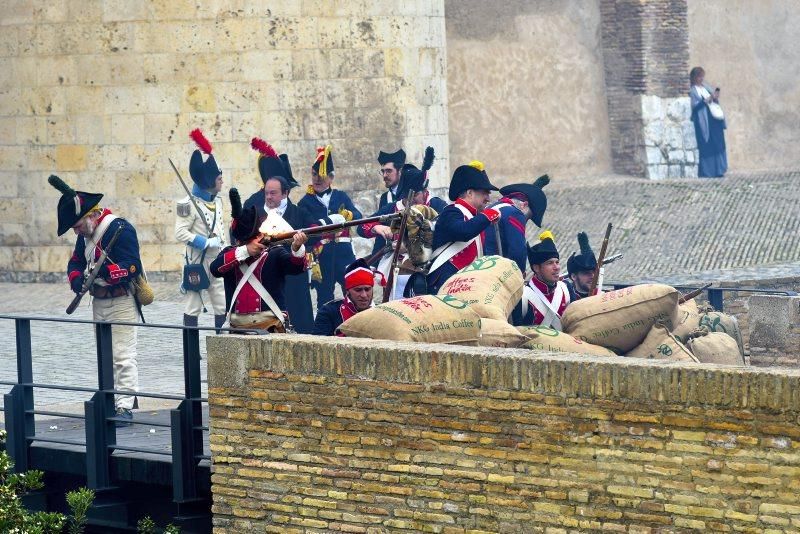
(264, 148)
(201, 141)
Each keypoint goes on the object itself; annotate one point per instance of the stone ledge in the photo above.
(230, 358)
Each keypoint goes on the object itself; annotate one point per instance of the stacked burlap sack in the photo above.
(473, 306)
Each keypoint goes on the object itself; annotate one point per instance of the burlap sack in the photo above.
(715, 321)
(687, 320)
(661, 345)
(491, 285)
(545, 339)
(425, 319)
(620, 320)
(496, 333)
(715, 347)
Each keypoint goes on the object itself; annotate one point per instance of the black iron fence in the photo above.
(185, 423)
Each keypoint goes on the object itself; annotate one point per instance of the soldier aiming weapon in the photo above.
(286, 237)
(394, 269)
(93, 275)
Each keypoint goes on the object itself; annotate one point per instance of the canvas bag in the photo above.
(545, 339)
(491, 285)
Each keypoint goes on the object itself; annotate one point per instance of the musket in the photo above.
(692, 294)
(191, 197)
(394, 271)
(93, 275)
(612, 259)
(600, 259)
(286, 237)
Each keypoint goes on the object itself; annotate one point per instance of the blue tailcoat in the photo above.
(512, 236)
(123, 263)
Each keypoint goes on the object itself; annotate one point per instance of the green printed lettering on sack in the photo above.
(713, 325)
(546, 331)
(481, 264)
(451, 301)
(664, 349)
(396, 313)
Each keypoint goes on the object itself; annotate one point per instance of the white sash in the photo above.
(548, 309)
(447, 251)
(97, 236)
(256, 284)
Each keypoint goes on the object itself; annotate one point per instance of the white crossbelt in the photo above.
(548, 309)
(446, 252)
(256, 284)
(91, 242)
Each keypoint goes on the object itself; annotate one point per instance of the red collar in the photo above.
(544, 288)
(105, 212)
(464, 203)
(347, 309)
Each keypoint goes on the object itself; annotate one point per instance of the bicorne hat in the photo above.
(537, 200)
(270, 164)
(414, 179)
(472, 176)
(323, 164)
(244, 222)
(73, 204)
(586, 260)
(203, 173)
(544, 250)
(398, 158)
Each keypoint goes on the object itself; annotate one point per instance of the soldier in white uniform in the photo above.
(204, 235)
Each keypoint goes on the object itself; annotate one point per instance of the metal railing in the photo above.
(716, 295)
(185, 422)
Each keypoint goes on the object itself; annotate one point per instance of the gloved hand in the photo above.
(347, 214)
(77, 284)
(337, 218)
(213, 242)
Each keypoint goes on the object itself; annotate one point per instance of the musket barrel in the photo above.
(326, 229)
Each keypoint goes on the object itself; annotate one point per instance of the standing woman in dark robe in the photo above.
(709, 126)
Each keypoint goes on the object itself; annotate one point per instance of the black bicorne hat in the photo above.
(324, 157)
(472, 176)
(586, 260)
(544, 250)
(537, 200)
(414, 179)
(73, 204)
(398, 158)
(288, 170)
(244, 222)
(203, 173)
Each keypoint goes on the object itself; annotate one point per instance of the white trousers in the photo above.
(123, 338)
(214, 294)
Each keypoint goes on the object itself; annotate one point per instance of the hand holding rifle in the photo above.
(394, 270)
(93, 275)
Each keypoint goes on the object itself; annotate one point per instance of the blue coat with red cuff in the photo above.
(512, 234)
(365, 230)
(273, 268)
(123, 263)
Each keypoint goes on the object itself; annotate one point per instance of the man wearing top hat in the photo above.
(459, 235)
(254, 274)
(276, 174)
(113, 298)
(545, 296)
(520, 203)
(581, 269)
(200, 225)
(412, 179)
(329, 206)
(359, 281)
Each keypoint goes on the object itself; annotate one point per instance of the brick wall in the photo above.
(317, 434)
(102, 92)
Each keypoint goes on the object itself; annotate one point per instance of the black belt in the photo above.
(108, 292)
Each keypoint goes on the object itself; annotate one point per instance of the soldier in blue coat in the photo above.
(276, 173)
(329, 206)
(113, 297)
(461, 227)
(520, 202)
(359, 281)
(391, 172)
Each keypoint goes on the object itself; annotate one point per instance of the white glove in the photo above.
(336, 218)
(213, 242)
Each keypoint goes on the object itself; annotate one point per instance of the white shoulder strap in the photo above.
(446, 252)
(97, 237)
(548, 309)
(256, 284)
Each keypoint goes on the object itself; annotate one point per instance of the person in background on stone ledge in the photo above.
(254, 274)
(113, 298)
(709, 126)
(359, 281)
(545, 296)
(581, 269)
(204, 237)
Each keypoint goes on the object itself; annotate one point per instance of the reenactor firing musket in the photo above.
(93, 275)
(286, 237)
(394, 270)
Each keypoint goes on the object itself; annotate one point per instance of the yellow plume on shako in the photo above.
(547, 234)
(475, 164)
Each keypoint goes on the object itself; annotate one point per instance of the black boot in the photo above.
(189, 320)
(219, 321)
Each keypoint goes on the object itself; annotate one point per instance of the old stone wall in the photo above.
(751, 51)
(526, 88)
(318, 434)
(102, 93)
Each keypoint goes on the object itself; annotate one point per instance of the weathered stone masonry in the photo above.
(312, 435)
